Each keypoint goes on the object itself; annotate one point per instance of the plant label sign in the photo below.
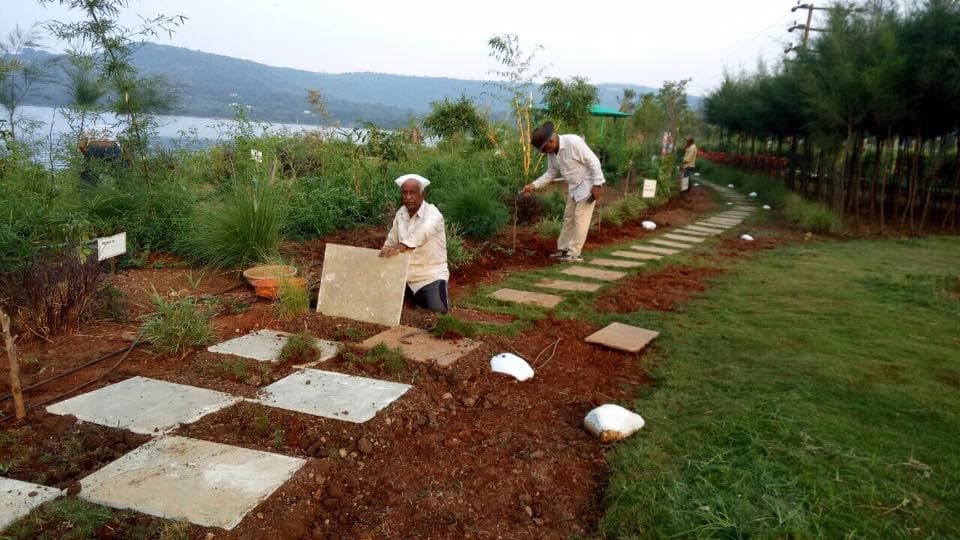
(111, 246)
(684, 183)
(649, 188)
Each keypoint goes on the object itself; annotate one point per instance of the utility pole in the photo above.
(807, 28)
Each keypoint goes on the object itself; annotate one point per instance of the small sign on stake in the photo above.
(111, 246)
(649, 188)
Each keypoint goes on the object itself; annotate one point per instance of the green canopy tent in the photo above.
(607, 112)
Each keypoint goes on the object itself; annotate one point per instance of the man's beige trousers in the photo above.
(576, 224)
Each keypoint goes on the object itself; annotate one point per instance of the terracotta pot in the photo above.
(270, 287)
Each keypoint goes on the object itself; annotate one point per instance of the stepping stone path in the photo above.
(704, 230)
(691, 232)
(669, 243)
(654, 249)
(614, 263)
(637, 255)
(593, 273)
(564, 285)
(683, 238)
(331, 395)
(622, 337)
(210, 484)
(144, 405)
(418, 345)
(18, 498)
(523, 297)
(265, 346)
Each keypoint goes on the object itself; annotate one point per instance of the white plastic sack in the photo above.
(513, 365)
(747, 238)
(612, 423)
(730, 186)
(766, 207)
(753, 193)
(649, 225)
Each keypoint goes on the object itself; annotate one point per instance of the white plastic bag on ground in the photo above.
(747, 238)
(513, 365)
(766, 207)
(649, 225)
(612, 423)
(753, 193)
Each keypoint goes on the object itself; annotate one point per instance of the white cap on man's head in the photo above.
(420, 180)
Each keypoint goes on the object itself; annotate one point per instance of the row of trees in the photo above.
(866, 115)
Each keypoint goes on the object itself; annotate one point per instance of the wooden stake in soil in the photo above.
(15, 389)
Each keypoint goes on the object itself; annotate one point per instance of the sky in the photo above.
(615, 41)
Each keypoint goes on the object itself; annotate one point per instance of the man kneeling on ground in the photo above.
(418, 228)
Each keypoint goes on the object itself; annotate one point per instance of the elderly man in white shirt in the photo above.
(418, 229)
(569, 159)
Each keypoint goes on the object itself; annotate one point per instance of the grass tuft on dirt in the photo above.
(300, 348)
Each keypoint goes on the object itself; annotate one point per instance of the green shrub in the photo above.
(810, 216)
(292, 300)
(177, 325)
(549, 227)
(301, 348)
(612, 214)
(476, 210)
(458, 254)
(243, 229)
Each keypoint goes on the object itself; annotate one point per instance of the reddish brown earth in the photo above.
(662, 290)
(465, 453)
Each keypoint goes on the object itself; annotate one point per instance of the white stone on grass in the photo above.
(512, 365)
(730, 186)
(265, 346)
(753, 193)
(746, 238)
(611, 423)
(208, 484)
(766, 207)
(144, 405)
(18, 498)
(331, 395)
(649, 225)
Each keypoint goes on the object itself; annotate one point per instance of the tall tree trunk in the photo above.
(952, 209)
(912, 184)
(875, 175)
(898, 175)
(791, 177)
(859, 156)
(932, 181)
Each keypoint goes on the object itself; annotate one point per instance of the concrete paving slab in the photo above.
(721, 221)
(205, 483)
(144, 405)
(622, 337)
(615, 263)
(593, 273)
(669, 243)
(526, 297)
(564, 285)
(359, 284)
(684, 238)
(418, 345)
(639, 255)
(691, 232)
(705, 230)
(712, 225)
(265, 346)
(654, 249)
(18, 498)
(746, 208)
(331, 395)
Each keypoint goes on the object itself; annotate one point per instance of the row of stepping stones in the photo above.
(206, 483)
(656, 248)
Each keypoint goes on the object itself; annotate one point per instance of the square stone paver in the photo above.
(655, 249)
(637, 255)
(144, 405)
(205, 483)
(733, 221)
(564, 285)
(525, 297)
(593, 273)
(615, 263)
(265, 346)
(682, 238)
(418, 345)
(18, 498)
(712, 225)
(669, 243)
(622, 337)
(331, 395)
(746, 208)
(692, 232)
(359, 284)
(704, 230)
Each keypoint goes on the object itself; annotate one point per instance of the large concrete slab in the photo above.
(331, 395)
(526, 297)
(418, 345)
(615, 263)
(691, 232)
(564, 285)
(593, 273)
(18, 498)
(359, 284)
(669, 243)
(205, 483)
(637, 255)
(144, 405)
(265, 346)
(705, 230)
(683, 238)
(623, 337)
(655, 249)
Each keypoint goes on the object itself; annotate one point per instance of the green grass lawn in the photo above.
(811, 391)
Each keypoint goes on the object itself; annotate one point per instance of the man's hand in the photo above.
(527, 189)
(390, 251)
(595, 192)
